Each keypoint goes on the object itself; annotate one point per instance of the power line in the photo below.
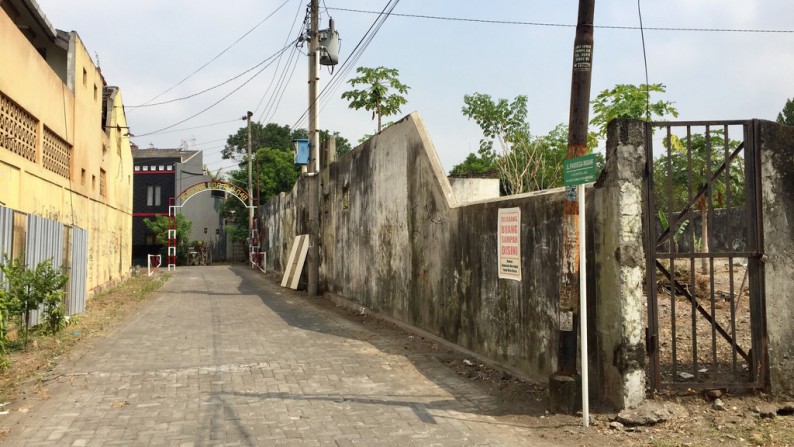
(645, 60)
(213, 104)
(278, 64)
(219, 54)
(564, 25)
(284, 85)
(190, 128)
(278, 53)
(354, 55)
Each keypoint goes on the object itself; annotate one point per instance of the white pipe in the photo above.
(583, 308)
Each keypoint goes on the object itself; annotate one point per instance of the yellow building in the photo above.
(64, 150)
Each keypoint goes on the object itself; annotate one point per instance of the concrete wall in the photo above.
(469, 190)
(396, 241)
(74, 114)
(777, 197)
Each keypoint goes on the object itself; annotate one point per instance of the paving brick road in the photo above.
(222, 356)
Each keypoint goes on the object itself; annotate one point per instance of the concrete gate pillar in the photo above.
(620, 268)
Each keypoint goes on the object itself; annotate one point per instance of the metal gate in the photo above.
(704, 240)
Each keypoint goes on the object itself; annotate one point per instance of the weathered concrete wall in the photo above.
(396, 241)
(469, 190)
(619, 269)
(777, 197)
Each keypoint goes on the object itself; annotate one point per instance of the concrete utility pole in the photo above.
(563, 384)
(250, 182)
(314, 148)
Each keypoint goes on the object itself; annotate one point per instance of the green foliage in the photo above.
(525, 162)
(382, 92)
(786, 116)
(503, 121)
(269, 135)
(672, 175)
(26, 290)
(628, 101)
(475, 165)
(159, 226)
(678, 232)
(48, 288)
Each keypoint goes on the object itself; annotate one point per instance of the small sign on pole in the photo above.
(579, 170)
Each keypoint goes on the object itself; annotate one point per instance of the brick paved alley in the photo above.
(222, 356)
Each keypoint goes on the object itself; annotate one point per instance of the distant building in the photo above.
(64, 152)
(161, 174)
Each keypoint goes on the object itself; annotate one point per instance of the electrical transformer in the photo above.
(329, 45)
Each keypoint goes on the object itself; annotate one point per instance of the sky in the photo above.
(148, 47)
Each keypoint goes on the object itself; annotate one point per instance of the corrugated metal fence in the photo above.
(44, 242)
(66, 247)
(79, 271)
(6, 234)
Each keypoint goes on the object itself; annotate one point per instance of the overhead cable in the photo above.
(211, 105)
(565, 25)
(354, 55)
(219, 54)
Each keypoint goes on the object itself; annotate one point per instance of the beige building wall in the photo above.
(58, 159)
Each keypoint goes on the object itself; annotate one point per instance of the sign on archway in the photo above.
(187, 194)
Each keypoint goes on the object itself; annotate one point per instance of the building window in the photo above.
(205, 230)
(137, 168)
(95, 92)
(161, 168)
(93, 183)
(85, 77)
(82, 177)
(217, 231)
(152, 196)
(102, 182)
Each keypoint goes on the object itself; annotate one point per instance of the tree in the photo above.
(628, 101)
(474, 164)
(269, 135)
(786, 116)
(377, 96)
(159, 226)
(672, 177)
(525, 162)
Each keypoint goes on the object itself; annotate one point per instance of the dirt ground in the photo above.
(750, 419)
(746, 419)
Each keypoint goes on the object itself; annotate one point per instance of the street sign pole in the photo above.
(576, 172)
(583, 308)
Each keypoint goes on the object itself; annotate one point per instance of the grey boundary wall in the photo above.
(396, 242)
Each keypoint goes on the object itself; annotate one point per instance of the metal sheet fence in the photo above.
(42, 239)
(44, 242)
(6, 235)
(75, 303)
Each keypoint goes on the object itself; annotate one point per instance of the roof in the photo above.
(182, 155)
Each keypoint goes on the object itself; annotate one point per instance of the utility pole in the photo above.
(564, 384)
(250, 190)
(314, 149)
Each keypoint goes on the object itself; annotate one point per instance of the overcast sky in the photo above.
(147, 46)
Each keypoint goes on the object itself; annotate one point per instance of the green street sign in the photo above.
(579, 170)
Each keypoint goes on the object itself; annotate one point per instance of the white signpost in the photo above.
(576, 172)
(509, 243)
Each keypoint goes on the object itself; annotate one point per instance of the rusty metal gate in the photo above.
(704, 241)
